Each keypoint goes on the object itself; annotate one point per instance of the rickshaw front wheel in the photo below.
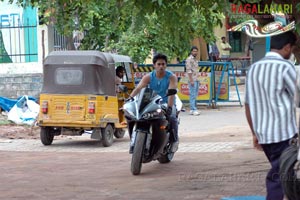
(107, 134)
(119, 133)
(47, 135)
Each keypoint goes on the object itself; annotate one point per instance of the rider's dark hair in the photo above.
(160, 56)
(279, 41)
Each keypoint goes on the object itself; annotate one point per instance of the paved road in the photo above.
(86, 145)
(192, 130)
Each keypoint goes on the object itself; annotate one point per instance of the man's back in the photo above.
(270, 90)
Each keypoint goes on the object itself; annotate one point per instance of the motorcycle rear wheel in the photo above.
(136, 160)
(289, 180)
(167, 157)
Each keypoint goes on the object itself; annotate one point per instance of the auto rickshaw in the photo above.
(79, 95)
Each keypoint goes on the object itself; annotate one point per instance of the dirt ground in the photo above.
(83, 169)
(54, 172)
(10, 130)
(95, 176)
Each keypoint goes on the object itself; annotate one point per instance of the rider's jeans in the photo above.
(193, 95)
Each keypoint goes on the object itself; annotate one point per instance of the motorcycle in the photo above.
(150, 130)
(289, 170)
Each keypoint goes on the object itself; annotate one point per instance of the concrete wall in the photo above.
(16, 85)
(25, 78)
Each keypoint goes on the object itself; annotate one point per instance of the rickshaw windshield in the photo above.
(80, 72)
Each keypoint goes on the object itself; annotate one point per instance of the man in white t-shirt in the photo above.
(225, 49)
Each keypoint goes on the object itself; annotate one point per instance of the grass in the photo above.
(5, 122)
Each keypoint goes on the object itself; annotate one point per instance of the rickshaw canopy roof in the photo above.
(81, 72)
(84, 57)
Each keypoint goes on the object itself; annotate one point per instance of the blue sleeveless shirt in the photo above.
(160, 86)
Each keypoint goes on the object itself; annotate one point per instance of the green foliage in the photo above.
(297, 21)
(133, 27)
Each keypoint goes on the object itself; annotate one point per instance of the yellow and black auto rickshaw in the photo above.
(79, 94)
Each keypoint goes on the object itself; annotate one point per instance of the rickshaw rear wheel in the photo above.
(47, 135)
(119, 133)
(166, 158)
(107, 134)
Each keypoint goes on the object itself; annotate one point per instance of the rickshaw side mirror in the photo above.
(123, 88)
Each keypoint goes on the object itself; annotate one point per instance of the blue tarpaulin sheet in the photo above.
(6, 104)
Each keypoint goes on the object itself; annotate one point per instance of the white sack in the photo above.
(25, 111)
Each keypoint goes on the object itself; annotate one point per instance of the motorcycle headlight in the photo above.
(152, 114)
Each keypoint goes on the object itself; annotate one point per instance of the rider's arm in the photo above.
(172, 85)
(143, 83)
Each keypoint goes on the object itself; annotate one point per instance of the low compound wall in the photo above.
(16, 85)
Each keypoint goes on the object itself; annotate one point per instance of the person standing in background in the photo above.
(213, 52)
(192, 71)
(225, 49)
(270, 108)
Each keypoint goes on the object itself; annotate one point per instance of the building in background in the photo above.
(23, 45)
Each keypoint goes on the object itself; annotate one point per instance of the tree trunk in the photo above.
(70, 43)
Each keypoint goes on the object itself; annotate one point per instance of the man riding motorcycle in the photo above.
(160, 80)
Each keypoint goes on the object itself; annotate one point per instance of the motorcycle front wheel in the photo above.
(137, 155)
